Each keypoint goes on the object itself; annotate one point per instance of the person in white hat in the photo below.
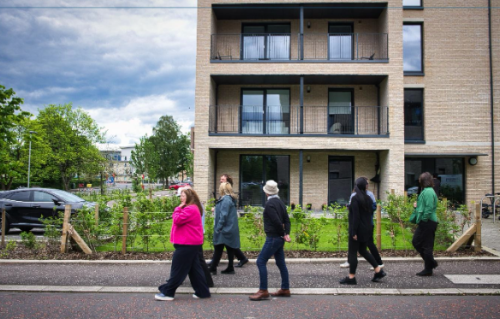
(277, 229)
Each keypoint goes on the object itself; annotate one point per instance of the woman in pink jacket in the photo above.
(187, 237)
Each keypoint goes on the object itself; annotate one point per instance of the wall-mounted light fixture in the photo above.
(472, 160)
(308, 158)
(309, 24)
(308, 89)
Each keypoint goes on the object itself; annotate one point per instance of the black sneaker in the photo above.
(379, 275)
(435, 265)
(425, 273)
(213, 272)
(228, 272)
(241, 263)
(348, 281)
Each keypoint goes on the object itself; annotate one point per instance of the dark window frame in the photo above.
(264, 113)
(351, 90)
(416, 141)
(265, 25)
(421, 72)
(347, 23)
(263, 174)
(418, 7)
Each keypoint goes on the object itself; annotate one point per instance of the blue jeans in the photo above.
(273, 246)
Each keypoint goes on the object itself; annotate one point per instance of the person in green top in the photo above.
(425, 216)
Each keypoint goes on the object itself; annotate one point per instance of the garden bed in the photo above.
(52, 252)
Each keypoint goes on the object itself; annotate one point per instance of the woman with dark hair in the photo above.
(425, 217)
(187, 237)
(360, 232)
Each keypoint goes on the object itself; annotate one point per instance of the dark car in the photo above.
(25, 207)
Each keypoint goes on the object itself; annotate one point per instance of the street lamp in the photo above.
(29, 159)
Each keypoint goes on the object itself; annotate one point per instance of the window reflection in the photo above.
(414, 115)
(412, 3)
(412, 48)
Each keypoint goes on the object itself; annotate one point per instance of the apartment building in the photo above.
(314, 94)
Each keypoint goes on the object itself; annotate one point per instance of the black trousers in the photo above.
(423, 241)
(186, 262)
(218, 249)
(239, 254)
(352, 255)
(203, 263)
(373, 249)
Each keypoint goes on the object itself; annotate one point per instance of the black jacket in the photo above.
(276, 220)
(360, 219)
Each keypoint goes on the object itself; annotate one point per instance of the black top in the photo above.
(360, 219)
(276, 220)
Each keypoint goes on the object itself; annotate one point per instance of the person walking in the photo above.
(277, 229)
(371, 245)
(242, 259)
(226, 229)
(187, 237)
(360, 227)
(425, 217)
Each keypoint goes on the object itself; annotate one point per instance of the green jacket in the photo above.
(426, 206)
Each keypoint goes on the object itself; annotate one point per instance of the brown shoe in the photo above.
(260, 295)
(281, 293)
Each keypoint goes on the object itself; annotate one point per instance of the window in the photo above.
(265, 111)
(414, 115)
(340, 111)
(23, 196)
(412, 3)
(340, 44)
(42, 197)
(413, 49)
(266, 42)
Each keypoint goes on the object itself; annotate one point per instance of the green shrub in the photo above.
(28, 239)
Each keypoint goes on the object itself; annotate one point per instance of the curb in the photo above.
(249, 291)
(251, 261)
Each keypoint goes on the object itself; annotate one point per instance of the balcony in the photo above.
(308, 47)
(279, 120)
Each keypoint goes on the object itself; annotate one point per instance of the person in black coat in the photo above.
(360, 229)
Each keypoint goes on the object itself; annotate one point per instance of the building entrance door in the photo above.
(340, 179)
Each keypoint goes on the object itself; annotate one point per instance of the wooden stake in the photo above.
(393, 191)
(4, 224)
(80, 241)
(96, 214)
(64, 237)
(379, 227)
(477, 238)
(150, 194)
(406, 196)
(125, 228)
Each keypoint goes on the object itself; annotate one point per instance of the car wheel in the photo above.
(25, 228)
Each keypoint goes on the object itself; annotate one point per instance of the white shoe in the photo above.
(381, 266)
(344, 265)
(162, 297)
(195, 296)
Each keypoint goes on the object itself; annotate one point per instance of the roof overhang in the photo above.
(289, 79)
(292, 11)
(445, 154)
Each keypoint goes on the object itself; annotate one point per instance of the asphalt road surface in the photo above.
(81, 305)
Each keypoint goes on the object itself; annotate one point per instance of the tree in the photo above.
(12, 137)
(185, 164)
(144, 158)
(71, 136)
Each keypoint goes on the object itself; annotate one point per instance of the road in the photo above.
(89, 305)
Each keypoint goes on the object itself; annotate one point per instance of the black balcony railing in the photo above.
(291, 120)
(334, 47)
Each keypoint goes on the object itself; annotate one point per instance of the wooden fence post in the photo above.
(477, 239)
(4, 224)
(406, 196)
(96, 214)
(150, 194)
(64, 237)
(393, 191)
(125, 228)
(379, 228)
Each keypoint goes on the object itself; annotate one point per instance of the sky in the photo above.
(125, 67)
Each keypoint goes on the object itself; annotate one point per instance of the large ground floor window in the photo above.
(255, 170)
(450, 172)
(340, 179)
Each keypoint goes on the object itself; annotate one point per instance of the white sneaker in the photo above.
(381, 266)
(162, 297)
(344, 265)
(195, 296)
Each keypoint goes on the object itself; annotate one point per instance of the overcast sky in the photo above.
(125, 67)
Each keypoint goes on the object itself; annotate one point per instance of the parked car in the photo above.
(177, 186)
(25, 207)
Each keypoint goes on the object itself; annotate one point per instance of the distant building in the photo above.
(118, 162)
